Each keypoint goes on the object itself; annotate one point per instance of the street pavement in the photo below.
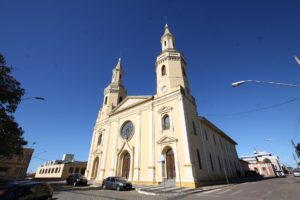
(265, 189)
(268, 189)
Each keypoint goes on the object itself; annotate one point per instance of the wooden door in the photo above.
(170, 164)
(126, 165)
(95, 168)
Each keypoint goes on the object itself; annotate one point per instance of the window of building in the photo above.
(52, 171)
(220, 165)
(99, 139)
(120, 76)
(120, 99)
(76, 170)
(105, 101)
(71, 169)
(166, 122)
(211, 161)
(56, 170)
(235, 165)
(226, 164)
(165, 43)
(82, 171)
(199, 159)
(214, 139)
(194, 128)
(163, 71)
(205, 135)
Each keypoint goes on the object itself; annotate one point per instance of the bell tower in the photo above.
(170, 66)
(115, 92)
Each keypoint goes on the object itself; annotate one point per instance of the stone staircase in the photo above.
(168, 182)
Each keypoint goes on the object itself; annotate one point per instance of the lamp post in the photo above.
(37, 98)
(238, 83)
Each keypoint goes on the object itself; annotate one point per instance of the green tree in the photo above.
(11, 140)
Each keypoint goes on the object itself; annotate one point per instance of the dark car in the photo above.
(117, 183)
(27, 190)
(76, 179)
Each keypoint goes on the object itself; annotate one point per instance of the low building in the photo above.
(17, 166)
(60, 169)
(244, 164)
(264, 163)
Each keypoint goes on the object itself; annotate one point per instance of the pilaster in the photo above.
(136, 173)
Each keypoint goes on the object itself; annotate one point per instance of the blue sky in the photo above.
(65, 51)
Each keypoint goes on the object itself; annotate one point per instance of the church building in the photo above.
(154, 139)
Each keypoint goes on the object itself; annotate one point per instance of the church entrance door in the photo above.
(170, 164)
(126, 165)
(95, 168)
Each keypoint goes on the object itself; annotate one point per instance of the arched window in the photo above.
(165, 43)
(267, 160)
(199, 159)
(99, 139)
(211, 162)
(163, 71)
(120, 76)
(105, 101)
(166, 122)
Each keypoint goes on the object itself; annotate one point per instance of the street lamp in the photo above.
(238, 83)
(37, 98)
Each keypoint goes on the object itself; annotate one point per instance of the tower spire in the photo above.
(118, 66)
(115, 92)
(167, 39)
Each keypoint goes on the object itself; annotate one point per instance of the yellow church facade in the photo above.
(159, 138)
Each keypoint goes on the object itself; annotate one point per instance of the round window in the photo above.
(127, 130)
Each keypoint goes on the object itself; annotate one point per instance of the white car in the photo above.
(296, 173)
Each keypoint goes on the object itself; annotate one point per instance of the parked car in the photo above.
(76, 179)
(296, 173)
(27, 190)
(117, 183)
(280, 174)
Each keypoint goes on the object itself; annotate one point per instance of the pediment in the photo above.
(97, 152)
(165, 109)
(167, 140)
(131, 101)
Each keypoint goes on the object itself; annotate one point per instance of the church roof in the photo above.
(129, 102)
(206, 121)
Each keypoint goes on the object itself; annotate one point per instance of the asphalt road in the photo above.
(266, 189)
